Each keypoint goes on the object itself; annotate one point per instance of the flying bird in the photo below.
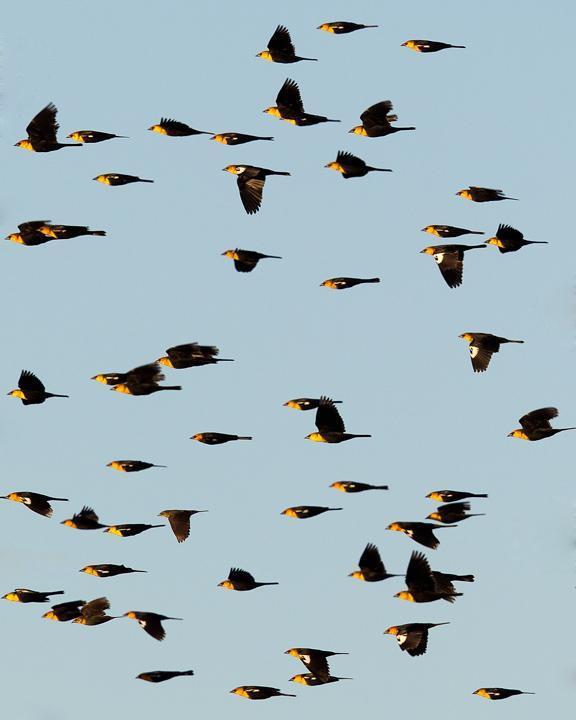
(535, 425)
(425, 585)
(157, 676)
(92, 136)
(64, 612)
(250, 180)
(214, 438)
(450, 259)
(129, 529)
(422, 533)
(141, 375)
(241, 580)
(315, 661)
(86, 519)
(429, 46)
(342, 28)
(180, 521)
(289, 107)
(23, 595)
(129, 466)
(499, 693)
(31, 390)
(281, 49)
(150, 622)
(449, 231)
(232, 138)
(246, 260)
(508, 239)
(482, 346)
(42, 131)
(356, 487)
(376, 121)
(306, 403)
(371, 566)
(107, 570)
(330, 425)
(480, 194)
(115, 179)
(302, 512)
(173, 128)
(191, 355)
(94, 613)
(313, 680)
(36, 502)
(343, 283)
(448, 496)
(350, 166)
(412, 637)
(452, 513)
(258, 692)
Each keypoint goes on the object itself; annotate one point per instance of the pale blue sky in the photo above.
(498, 114)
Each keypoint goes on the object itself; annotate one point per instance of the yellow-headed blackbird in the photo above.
(142, 374)
(315, 661)
(86, 519)
(371, 566)
(289, 107)
(106, 570)
(232, 138)
(452, 513)
(180, 521)
(429, 46)
(31, 390)
(356, 487)
(93, 136)
(36, 502)
(142, 380)
(150, 622)
(482, 346)
(312, 680)
(214, 438)
(66, 232)
(129, 466)
(499, 693)
(306, 511)
(508, 239)
(422, 533)
(536, 425)
(281, 49)
(343, 283)
(173, 128)
(42, 131)
(480, 194)
(330, 425)
(64, 612)
(341, 27)
(115, 179)
(251, 181)
(425, 585)
(246, 260)
(241, 580)
(22, 595)
(376, 121)
(156, 676)
(258, 692)
(29, 234)
(450, 259)
(129, 529)
(449, 231)
(448, 496)
(191, 355)
(94, 613)
(412, 637)
(350, 166)
(305, 403)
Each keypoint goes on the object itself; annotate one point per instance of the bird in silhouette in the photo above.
(330, 425)
(246, 260)
(250, 180)
(242, 581)
(350, 166)
(42, 130)
(482, 346)
(450, 260)
(281, 49)
(31, 390)
(371, 566)
(508, 239)
(37, 502)
(535, 425)
(376, 121)
(180, 521)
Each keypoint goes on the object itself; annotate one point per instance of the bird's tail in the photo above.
(279, 172)
(153, 526)
(484, 495)
(379, 487)
(231, 359)
(62, 499)
(442, 623)
(186, 672)
(265, 138)
(144, 571)
(244, 437)
(334, 508)
(406, 128)
(534, 242)
(170, 387)
(509, 198)
(562, 429)
(450, 598)
(99, 233)
(443, 527)
(355, 436)
(380, 169)
(470, 247)
(462, 578)
(288, 694)
(72, 144)
(462, 47)
(160, 466)
(475, 232)
(328, 120)
(371, 280)
(275, 257)
(370, 26)
(56, 592)
(311, 59)
(56, 395)
(270, 583)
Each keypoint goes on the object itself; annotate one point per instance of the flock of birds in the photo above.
(423, 585)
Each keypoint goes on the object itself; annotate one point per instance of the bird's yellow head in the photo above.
(405, 595)
(100, 378)
(299, 679)
(292, 651)
(24, 144)
(14, 497)
(395, 526)
(357, 575)
(495, 241)
(292, 404)
(220, 139)
(234, 169)
(520, 434)
(158, 129)
(436, 496)
(102, 179)
(430, 229)
(198, 436)
(232, 254)
(434, 516)
(265, 55)
(358, 130)
(116, 465)
(289, 513)
(50, 615)
(428, 250)
(335, 166)
(411, 44)
(15, 238)
(240, 691)
(122, 388)
(326, 27)
(482, 693)
(466, 336)
(226, 584)
(79, 620)
(17, 394)
(76, 136)
(338, 486)
(466, 194)
(89, 570)
(315, 437)
(329, 284)
(165, 361)
(12, 596)
(273, 110)
(130, 614)
(392, 630)
(69, 523)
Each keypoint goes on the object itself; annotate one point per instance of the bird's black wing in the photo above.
(376, 114)
(236, 574)
(95, 608)
(43, 126)
(508, 233)
(418, 573)
(174, 125)
(289, 97)
(87, 513)
(538, 419)
(349, 160)
(328, 418)
(370, 560)
(251, 193)
(29, 381)
(451, 265)
(281, 41)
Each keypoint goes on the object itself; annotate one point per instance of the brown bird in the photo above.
(371, 566)
(480, 194)
(450, 259)
(241, 580)
(376, 121)
(535, 425)
(36, 502)
(180, 521)
(150, 622)
(281, 49)
(94, 613)
(42, 131)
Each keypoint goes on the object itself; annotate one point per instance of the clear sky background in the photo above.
(498, 114)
